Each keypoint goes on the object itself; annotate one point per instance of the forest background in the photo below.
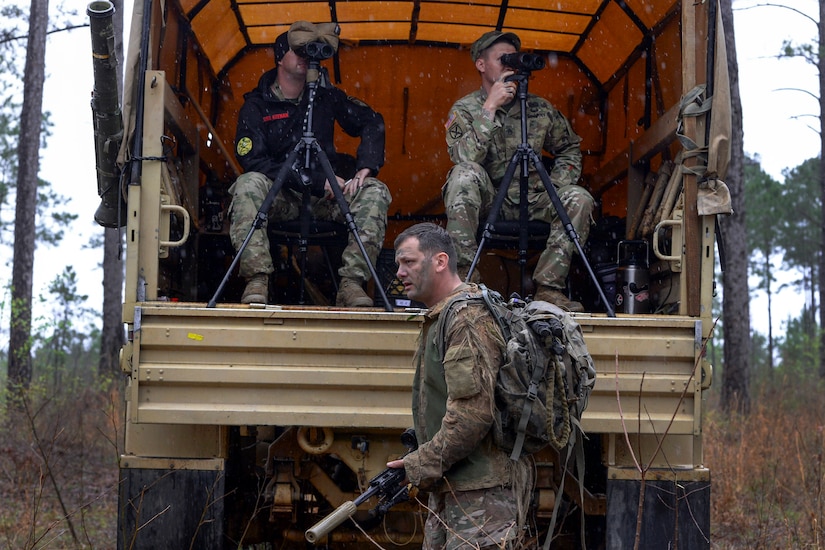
(62, 469)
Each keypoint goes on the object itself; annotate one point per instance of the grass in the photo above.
(58, 470)
(767, 468)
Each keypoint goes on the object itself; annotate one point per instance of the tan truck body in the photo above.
(275, 401)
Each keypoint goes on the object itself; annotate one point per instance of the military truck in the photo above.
(246, 424)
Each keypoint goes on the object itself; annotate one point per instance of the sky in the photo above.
(777, 120)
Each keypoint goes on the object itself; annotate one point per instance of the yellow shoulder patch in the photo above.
(244, 146)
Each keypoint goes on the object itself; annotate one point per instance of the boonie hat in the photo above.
(489, 38)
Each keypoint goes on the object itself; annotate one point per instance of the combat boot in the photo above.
(257, 289)
(351, 294)
(554, 296)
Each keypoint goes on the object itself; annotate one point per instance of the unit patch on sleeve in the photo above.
(455, 128)
(244, 146)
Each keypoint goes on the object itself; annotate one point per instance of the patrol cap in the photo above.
(281, 46)
(489, 38)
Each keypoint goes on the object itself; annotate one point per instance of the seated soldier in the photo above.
(483, 135)
(270, 124)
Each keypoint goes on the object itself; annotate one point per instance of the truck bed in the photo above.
(326, 367)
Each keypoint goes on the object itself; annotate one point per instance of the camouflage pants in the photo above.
(484, 518)
(468, 198)
(369, 212)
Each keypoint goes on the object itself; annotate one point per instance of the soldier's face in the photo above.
(293, 64)
(415, 271)
(489, 64)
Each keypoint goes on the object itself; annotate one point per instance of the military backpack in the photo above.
(546, 377)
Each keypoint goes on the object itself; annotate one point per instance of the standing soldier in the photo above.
(479, 498)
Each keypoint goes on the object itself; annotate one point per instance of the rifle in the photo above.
(386, 485)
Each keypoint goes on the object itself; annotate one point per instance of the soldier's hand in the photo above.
(399, 464)
(501, 92)
(328, 193)
(352, 186)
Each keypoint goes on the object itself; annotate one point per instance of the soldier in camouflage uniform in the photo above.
(478, 496)
(270, 124)
(483, 135)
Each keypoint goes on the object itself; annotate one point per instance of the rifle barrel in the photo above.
(336, 518)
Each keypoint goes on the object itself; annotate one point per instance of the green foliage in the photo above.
(9, 132)
(11, 77)
(799, 350)
(801, 220)
(808, 52)
(64, 342)
(760, 362)
(784, 220)
(763, 203)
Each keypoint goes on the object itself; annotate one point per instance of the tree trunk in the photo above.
(20, 361)
(769, 293)
(111, 338)
(735, 310)
(821, 278)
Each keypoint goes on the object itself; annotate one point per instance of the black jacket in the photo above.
(269, 128)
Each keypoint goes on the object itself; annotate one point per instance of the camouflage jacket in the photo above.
(454, 403)
(492, 144)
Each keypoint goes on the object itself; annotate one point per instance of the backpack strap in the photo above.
(503, 322)
(532, 395)
(447, 314)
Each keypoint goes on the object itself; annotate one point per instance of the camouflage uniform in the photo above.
(369, 212)
(482, 149)
(269, 127)
(478, 496)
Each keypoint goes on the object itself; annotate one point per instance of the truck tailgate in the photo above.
(342, 368)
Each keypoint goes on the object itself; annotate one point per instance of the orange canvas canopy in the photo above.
(613, 68)
(601, 34)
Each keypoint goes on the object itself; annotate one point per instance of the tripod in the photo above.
(308, 147)
(524, 155)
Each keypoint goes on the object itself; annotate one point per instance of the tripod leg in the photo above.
(568, 225)
(524, 217)
(498, 201)
(303, 242)
(350, 222)
(260, 219)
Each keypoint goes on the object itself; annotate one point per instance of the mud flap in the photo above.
(170, 508)
(675, 514)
